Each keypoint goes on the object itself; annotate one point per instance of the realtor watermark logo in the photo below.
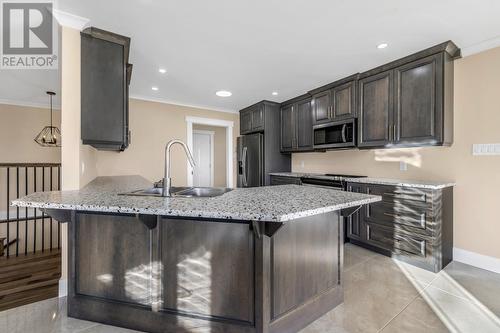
(28, 36)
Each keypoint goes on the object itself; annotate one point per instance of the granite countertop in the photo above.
(269, 203)
(432, 185)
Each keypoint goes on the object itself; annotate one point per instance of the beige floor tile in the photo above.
(354, 255)
(460, 315)
(471, 283)
(418, 317)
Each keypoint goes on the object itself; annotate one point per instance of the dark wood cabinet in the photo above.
(411, 224)
(304, 132)
(409, 102)
(375, 110)
(287, 128)
(321, 107)
(335, 101)
(252, 119)
(296, 125)
(105, 77)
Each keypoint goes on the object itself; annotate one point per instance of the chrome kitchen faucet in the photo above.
(167, 180)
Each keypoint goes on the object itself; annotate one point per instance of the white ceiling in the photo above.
(253, 48)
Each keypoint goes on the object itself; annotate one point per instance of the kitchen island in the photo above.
(265, 259)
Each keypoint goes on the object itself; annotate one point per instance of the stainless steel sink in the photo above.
(185, 192)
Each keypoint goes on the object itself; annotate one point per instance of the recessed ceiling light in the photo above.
(275, 93)
(154, 88)
(382, 46)
(162, 70)
(223, 93)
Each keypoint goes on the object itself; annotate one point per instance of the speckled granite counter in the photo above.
(272, 203)
(399, 182)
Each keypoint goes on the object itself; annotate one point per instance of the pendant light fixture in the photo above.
(50, 136)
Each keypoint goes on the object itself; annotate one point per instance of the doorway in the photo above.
(223, 164)
(203, 153)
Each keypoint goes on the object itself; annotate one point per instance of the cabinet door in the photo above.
(354, 222)
(287, 128)
(343, 101)
(245, 122)
(418, 115)
(375, 110)
(258, 119)
(321, 107)
(304, 125)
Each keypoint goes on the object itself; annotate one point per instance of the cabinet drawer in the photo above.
(399, 193)
(281, 180)
(395, 242)
(401, 213)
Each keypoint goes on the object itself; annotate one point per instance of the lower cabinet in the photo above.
(412, 224)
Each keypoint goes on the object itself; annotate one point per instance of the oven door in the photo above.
(340, 134)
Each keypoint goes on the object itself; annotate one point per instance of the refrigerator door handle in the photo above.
(244, 162)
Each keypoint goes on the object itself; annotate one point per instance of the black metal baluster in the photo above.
(34, 212)
(8, 209)
(17, 213)
(26, 212)
(43, 213)
(50, 219)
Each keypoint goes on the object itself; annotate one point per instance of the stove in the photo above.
(331, 181)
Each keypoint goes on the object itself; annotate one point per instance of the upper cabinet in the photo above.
(335, 101)
(409, 102)
(296, 125)
(252, 119)
(105, 77)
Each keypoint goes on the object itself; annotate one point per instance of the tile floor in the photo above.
(381, 295)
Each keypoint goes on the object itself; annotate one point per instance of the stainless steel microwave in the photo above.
(338, 134)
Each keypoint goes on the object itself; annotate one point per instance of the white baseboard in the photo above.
(476, 259)
(63, 288)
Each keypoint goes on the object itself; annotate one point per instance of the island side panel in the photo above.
(306, 258)
(208, 269)
(113, 258)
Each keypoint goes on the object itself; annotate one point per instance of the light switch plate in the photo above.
(486, 149)
(403, 166)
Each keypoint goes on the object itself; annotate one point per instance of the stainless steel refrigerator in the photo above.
(250, 156)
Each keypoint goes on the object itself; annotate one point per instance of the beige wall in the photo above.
(153, 125)
(18, 127)
(477, 120)
(219, 152)
(78, 161)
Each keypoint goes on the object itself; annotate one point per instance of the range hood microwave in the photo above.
(339, 134)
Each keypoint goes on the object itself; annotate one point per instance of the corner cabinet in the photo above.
(104, 89)
(296, 125)
(408, 102)
(335, 101)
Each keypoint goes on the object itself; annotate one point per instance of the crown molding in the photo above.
(29, 104)
(481, 46)
(70, 20)
(165, 101)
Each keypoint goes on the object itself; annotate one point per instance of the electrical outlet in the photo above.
(486, 149)
(302, 164)
(403, 166)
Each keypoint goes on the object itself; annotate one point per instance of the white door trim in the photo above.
(229, 144)
(212, 143)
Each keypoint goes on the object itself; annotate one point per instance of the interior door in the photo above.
(203, 157)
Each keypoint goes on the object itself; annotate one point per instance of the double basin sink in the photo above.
(182, 192)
